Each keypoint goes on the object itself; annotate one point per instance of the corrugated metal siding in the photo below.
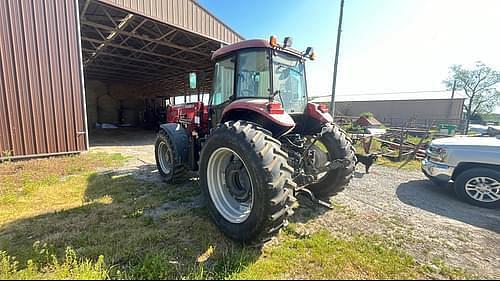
(40, 86)
(398, 112)
(184, 14)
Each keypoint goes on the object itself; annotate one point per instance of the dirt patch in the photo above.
(136, 144)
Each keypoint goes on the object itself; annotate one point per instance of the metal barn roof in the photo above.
(182, 14)
(154, 44)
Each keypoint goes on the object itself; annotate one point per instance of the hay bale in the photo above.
(108, 110)
(133, 103)
(130, 116)
(93, 90)
(92, 116)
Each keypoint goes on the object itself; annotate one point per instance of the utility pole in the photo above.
(450, 108)
(332, 102)
(453, 89)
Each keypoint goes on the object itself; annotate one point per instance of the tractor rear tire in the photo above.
(166, 159)
(268, 180)
(339, 146)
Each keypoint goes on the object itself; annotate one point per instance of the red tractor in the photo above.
(258, 142)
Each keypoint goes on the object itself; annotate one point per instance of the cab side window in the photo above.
(223, 81)
(253, 74)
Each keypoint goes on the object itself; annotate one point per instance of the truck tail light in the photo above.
(323, 108)
(275, 108)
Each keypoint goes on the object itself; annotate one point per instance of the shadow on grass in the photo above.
(145, 230)
(307, 210)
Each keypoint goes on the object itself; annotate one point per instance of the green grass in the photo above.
(375, 147)
(47, 184)
(64, 220)
(63, 202)
(416, 140)
(322, 256)
(413, 165)
(48, 266)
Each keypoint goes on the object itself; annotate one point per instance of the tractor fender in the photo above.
(179, 138)
(314, 112)
(255, 111)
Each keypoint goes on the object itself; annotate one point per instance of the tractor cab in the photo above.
(273, 76)
(261, 69)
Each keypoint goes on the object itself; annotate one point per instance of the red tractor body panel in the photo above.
(315, 112)
(260, 106)
(194, 115)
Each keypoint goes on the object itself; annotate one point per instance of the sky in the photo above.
(387, 45)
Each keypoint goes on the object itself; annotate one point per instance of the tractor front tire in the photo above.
(339, 146)
(245, 178)
(167, 160)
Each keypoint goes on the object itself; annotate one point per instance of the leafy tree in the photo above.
(479, 85)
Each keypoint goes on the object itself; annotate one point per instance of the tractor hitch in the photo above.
(312, 197)
(308, 179)
(335, 164)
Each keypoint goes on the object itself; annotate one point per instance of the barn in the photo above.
(423, 108)
(67, 66)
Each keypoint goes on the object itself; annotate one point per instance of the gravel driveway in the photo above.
(426, 220)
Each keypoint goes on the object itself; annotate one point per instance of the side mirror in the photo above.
(192, 80)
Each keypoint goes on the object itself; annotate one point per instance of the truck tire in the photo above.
(480, 187)
(339, 146)
(245, 177)
(167, 160)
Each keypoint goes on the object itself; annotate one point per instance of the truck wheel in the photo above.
(166, 159)
(480, 187)
(244, 176)
(337, 146)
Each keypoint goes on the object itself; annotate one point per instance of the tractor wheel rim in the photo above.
(230, 206)
(483, 189)
(164, 158)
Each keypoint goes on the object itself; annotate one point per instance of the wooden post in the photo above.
(401, 141)
(417, 148)
(368, 145)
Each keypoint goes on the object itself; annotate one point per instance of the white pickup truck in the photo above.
(470, 164)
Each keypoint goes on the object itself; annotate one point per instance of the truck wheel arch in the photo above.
(464, 166)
